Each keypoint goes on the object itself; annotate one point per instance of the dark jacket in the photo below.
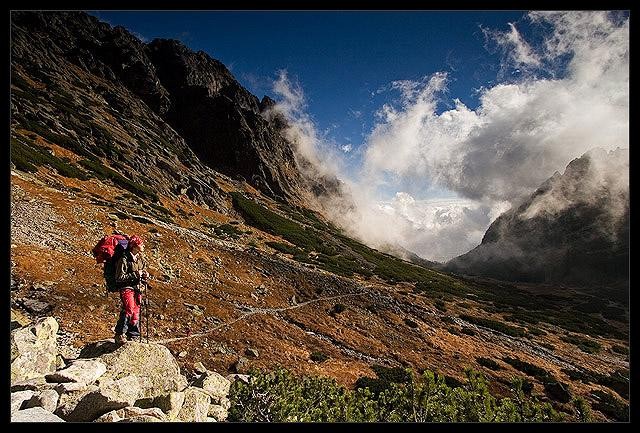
(127, 270)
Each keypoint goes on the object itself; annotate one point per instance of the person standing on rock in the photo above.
(131, 275)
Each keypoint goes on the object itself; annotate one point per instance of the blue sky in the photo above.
(451, 117)
(340, 59)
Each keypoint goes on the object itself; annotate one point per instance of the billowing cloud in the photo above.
(496, 154)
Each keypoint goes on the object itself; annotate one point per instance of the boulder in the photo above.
(70, 399)
(170, 403)
(211, 419)
(18, 319)
(98, 348)
(110, 396)
(129, 413)
(80, 371)
(199, 368)
(196, 405)
(36, 384)
(233, 377)
(141, 418)
(214, 384)
(34, 350)
(153, 363)
(218, 412)
(225, 403)
(34, 414)
(19, 398)
(67, 387)
(47, 399)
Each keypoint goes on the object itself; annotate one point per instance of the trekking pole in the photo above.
(146, 307)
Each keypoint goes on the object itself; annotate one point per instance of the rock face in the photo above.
(34, 350)
(573, 229)
(99, 91)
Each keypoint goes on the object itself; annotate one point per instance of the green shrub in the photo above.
(103, 172)
(584, 344)
(53, 138)
(279, 396)
(558, 391)
(385, 376)
(489, 363)
(617, 380)
(468, 331)
(30, 156)
(620, 349)
(227, 230)
(440, 305)
(582, 410)
(494, 324)
(318, 356)
(532, 370)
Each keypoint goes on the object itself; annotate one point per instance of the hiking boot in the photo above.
(120, 339)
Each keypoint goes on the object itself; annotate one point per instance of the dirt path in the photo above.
(253, 311)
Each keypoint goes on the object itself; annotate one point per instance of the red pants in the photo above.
(131, 301)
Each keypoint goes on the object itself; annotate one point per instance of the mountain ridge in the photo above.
(574, 228)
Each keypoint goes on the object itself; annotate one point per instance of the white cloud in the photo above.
(302, 132)
(346, 148)
(520, 134)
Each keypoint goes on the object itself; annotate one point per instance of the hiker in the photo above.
(130, 273)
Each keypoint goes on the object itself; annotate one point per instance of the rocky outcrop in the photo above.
(179, 115)
(34, 350)
(134, 382)
(222, 121)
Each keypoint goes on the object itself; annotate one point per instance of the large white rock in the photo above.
(69, 400)
(47, 399)
(113, 395)
(215, 384)
(34, 350)
(19, 398)
(196, 405)
(153, 363)
(170, 403)
(35, 384)
(84, 371)
(218, 412)
(34, 414)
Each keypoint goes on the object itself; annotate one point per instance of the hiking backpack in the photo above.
(108, 250)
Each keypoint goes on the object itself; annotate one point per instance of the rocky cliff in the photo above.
(161, 114)
(574, 228)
